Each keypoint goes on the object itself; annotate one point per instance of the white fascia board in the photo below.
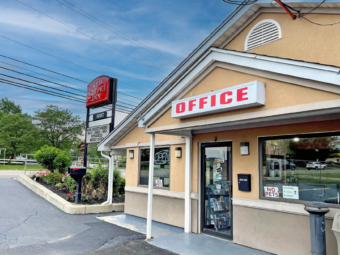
(304, 70)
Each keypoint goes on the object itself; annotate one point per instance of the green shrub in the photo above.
(100, 175)
(53, 159)
(116, 181)
(122, 186)
(52, 178)
(71, 184)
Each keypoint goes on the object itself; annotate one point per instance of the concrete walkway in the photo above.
(174, 239)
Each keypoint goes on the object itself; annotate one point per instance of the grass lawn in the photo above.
(19, 167)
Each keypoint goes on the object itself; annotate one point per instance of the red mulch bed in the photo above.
(90, 201)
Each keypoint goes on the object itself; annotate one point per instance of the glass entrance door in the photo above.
(216, 189)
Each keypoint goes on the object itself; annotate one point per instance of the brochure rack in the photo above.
(218, 208)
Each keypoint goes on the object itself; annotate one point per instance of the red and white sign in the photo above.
(241, 96)
(159, 183)
(98, 91)
(271, 192)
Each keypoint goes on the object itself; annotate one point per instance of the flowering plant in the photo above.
(70, 197)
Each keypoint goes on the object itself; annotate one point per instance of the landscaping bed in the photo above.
(89, 201)
(94, 185)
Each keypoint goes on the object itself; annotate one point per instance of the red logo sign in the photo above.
(98, 91)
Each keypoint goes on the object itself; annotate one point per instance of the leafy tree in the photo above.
(59, 127)
(53, 158)
(18, 133)
(9, 107)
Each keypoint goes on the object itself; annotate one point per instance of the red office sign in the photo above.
(99, 92)
(241, 96)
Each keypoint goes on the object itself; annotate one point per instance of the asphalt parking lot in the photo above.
(31, 225)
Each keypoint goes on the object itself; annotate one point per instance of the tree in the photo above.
(59, 127)
(53, 158)
(18, 133)
(9, 107)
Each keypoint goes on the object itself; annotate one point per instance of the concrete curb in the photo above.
(64, 205)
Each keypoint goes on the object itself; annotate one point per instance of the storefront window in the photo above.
(301, 167)
(161, 176)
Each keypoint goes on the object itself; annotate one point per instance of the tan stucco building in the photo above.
(199, 117)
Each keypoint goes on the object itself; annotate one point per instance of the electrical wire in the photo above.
(34, 77)
(91, 37)
(83, 91)
(56, 94)
(117, 32)
(241, 3)
(59, 59)
(40, 74)
(304, 14)
(38, 84)
(130, 95)
(17, 84)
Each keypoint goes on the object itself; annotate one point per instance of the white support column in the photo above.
(150, 191)
(187, 212)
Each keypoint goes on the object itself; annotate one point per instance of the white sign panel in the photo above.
(159, 183)
(241, 96)
(271, 192)
(97, 134)
(291, 192)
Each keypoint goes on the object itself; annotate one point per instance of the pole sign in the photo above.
(97, 134)
(99, 92)
(241, 96)
(99, 116)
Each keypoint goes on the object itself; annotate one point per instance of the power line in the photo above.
(55, 89)
(29, 87)
(17, 84)
(49, 82)
(59, 59)
(39, 73)
(129, 95)
(39, 84)
(40, 79)
(117, 32)
(91, 37)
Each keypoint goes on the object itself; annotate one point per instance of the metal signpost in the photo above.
(101, 91)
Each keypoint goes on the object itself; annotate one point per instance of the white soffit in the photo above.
(304, 70)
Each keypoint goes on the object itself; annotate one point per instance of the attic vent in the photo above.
(264, 32)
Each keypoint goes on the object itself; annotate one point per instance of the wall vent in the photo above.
(264, 32)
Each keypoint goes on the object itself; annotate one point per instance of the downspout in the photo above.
(109, 191)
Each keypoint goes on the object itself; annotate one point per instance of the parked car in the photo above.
(316, 165)
(290, 165)
(276, 165)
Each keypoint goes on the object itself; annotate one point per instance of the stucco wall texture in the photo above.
(300, 40)
(278, 95)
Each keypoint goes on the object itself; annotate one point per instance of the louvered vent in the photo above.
(264, 32)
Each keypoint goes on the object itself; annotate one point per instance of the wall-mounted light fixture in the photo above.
(178, 152)
(131, 153)
(244, 149)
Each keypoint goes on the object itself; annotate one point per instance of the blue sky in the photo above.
(170, 28)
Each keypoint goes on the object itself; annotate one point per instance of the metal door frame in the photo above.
(202, 186)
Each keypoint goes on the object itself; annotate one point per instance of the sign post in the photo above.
(101, 91)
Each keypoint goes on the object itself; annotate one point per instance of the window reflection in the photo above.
(302, 168)
(161, 177)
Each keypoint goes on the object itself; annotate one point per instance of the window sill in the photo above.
(160, 192)
(278, 206)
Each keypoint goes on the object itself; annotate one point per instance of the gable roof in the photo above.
(219, 38)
